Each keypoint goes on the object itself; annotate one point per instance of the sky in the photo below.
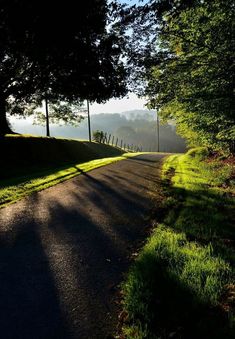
(132, 102)
(133, 2)
(129, 103)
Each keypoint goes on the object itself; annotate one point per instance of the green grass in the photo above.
(16, 188)
(34, 163)
(191, 173)
(204, 191)
(22, 154)
(171, 288)
(182, 283)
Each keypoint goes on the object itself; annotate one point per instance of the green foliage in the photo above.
(98, 135)
(199, 152)
(61, 113)
(193, 74)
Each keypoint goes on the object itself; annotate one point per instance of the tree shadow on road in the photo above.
(30, 304)
(65, 255)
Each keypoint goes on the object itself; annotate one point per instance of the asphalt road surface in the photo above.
(65, 250)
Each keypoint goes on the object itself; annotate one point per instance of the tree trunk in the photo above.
(89, 121)
(47, 118)
(4, 125)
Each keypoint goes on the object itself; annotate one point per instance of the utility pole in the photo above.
(47, 118)
(89, 122)
(158, 138)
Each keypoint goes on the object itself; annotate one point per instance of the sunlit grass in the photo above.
(18, 187)
(178, 286)
(191, 173)
(206, 193)
(171, 281)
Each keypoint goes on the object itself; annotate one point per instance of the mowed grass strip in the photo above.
(18, 187)
(182, 284)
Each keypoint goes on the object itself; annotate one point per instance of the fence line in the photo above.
(109, 139)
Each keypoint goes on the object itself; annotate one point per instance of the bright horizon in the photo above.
(131, 102)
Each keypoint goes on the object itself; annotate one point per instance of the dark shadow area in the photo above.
(24, 156)
(30, 305)
(64, 252)
(96, 260)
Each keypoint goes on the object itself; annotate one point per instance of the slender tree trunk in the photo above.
(47, 119)
(4, 125)
(158, 135)
(89, 121)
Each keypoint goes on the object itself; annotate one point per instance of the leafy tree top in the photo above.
(59, 50)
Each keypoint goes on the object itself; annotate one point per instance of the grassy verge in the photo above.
(182, 284)
(22, 154)
(18, 187)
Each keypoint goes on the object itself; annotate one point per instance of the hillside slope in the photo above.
(21, 153)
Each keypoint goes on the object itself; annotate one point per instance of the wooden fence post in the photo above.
(105, 137)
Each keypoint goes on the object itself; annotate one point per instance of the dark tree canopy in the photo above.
(59, 50)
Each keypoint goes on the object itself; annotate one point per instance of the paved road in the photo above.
(63, 252)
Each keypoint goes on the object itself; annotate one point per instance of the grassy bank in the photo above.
(35, 163)
(19, 153)
(182, 284)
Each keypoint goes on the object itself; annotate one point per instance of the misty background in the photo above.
(137, 127)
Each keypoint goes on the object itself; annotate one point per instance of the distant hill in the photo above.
(137, 127)
(140, 114)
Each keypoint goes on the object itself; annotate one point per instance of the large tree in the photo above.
(59, 51)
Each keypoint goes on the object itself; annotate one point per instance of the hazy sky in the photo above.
(119, 105)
